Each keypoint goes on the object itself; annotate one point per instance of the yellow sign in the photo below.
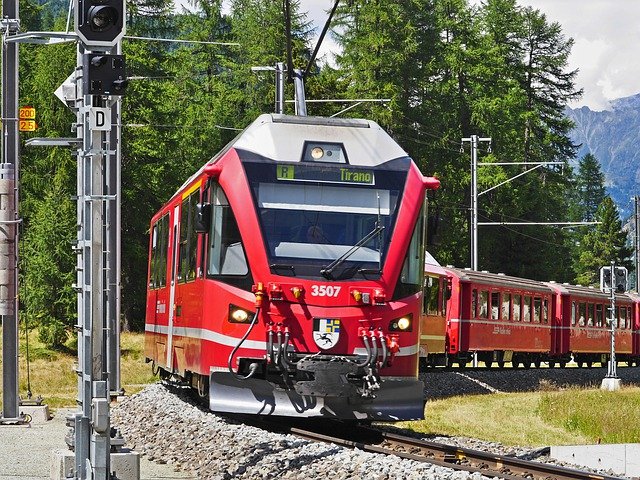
(27, 126)
(27, 113)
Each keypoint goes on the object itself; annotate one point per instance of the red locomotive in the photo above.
(497, 319)
(285, 276)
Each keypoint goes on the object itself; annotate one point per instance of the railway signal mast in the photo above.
(100, 83)
(612, 280)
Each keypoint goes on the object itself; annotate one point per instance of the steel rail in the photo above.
(449, 456)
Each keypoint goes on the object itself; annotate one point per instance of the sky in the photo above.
(606, 35)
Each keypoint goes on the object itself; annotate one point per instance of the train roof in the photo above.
(497, 279)
(582, 291)
(282, 138)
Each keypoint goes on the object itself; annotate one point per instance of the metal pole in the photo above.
(611, 373)
(474, 202)
(9, 213)
(637, 240)
(92, 429)
(279, 87)
(113, 250)
(474, 140)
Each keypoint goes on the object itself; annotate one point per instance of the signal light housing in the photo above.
(103, 74)
(100, 23)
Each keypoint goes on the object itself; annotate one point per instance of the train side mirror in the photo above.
(203, 217)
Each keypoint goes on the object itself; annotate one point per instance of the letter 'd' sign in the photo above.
(100, 118)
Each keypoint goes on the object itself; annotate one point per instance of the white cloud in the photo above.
(606, 35)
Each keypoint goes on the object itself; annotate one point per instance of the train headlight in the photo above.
(239, 315)
(402, 324)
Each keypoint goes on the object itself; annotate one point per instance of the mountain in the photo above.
(613, 136)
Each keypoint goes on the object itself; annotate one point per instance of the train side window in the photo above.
(573, 313)
(474, 303)
(431, 295)
(623, 317)
(526, 310)
(159, 244)
(226, 252)
(517, 302)
(495, 305)
(188, 238)
(484, 307)
(545, 311)
(599, 315)
(590, 309)
(506, 306)
(537, 309)
(582, 314)
(617, 317)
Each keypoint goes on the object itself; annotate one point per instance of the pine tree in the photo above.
(589, 188)
(605, 243)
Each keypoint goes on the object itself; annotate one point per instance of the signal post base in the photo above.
(125, 464)
(610, 384)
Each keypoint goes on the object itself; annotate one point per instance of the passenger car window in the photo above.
(517, 301)
(495, 305)
(526, 314)
(506, 306)
(484, 300)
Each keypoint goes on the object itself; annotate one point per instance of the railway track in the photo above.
(457, 458)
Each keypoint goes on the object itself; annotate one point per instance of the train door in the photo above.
(175, 230)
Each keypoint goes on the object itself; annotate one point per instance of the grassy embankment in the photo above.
(547, 417)
(54, 378)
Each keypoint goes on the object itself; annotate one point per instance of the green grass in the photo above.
(542, 418)
(53, 376)
(601, 416)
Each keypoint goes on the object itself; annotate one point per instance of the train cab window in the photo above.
(495, 305)
(506, 306)
(517, 303)
(623, 317)
(545, 311)
(582, 314)
(599, 315)
(159, 244)
(188, 238)
(484, 307)
(431, 295)
(526, 309)
(537, 309)
(226, 253)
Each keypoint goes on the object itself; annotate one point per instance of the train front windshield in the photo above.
(335, 229)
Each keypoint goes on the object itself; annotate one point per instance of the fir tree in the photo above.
(607, 242)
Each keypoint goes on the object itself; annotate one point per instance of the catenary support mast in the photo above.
(9, 213)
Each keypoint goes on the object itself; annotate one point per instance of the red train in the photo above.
(498, 319)
(285, 275)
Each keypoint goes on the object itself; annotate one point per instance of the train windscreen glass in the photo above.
(312, 219)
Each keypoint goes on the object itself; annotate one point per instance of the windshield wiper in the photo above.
(328, 270)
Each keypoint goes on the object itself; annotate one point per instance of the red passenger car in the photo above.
(584, 315)
(285, 276)
(498, 318)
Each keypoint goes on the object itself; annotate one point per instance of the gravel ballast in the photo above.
(171, 429)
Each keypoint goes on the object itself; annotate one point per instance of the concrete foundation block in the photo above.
(126, 464)
(621, 458)
(610, 384)
(38, 413)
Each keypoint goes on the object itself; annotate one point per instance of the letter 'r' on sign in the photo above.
(100, 119)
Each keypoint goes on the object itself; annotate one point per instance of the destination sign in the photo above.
(309, 173)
